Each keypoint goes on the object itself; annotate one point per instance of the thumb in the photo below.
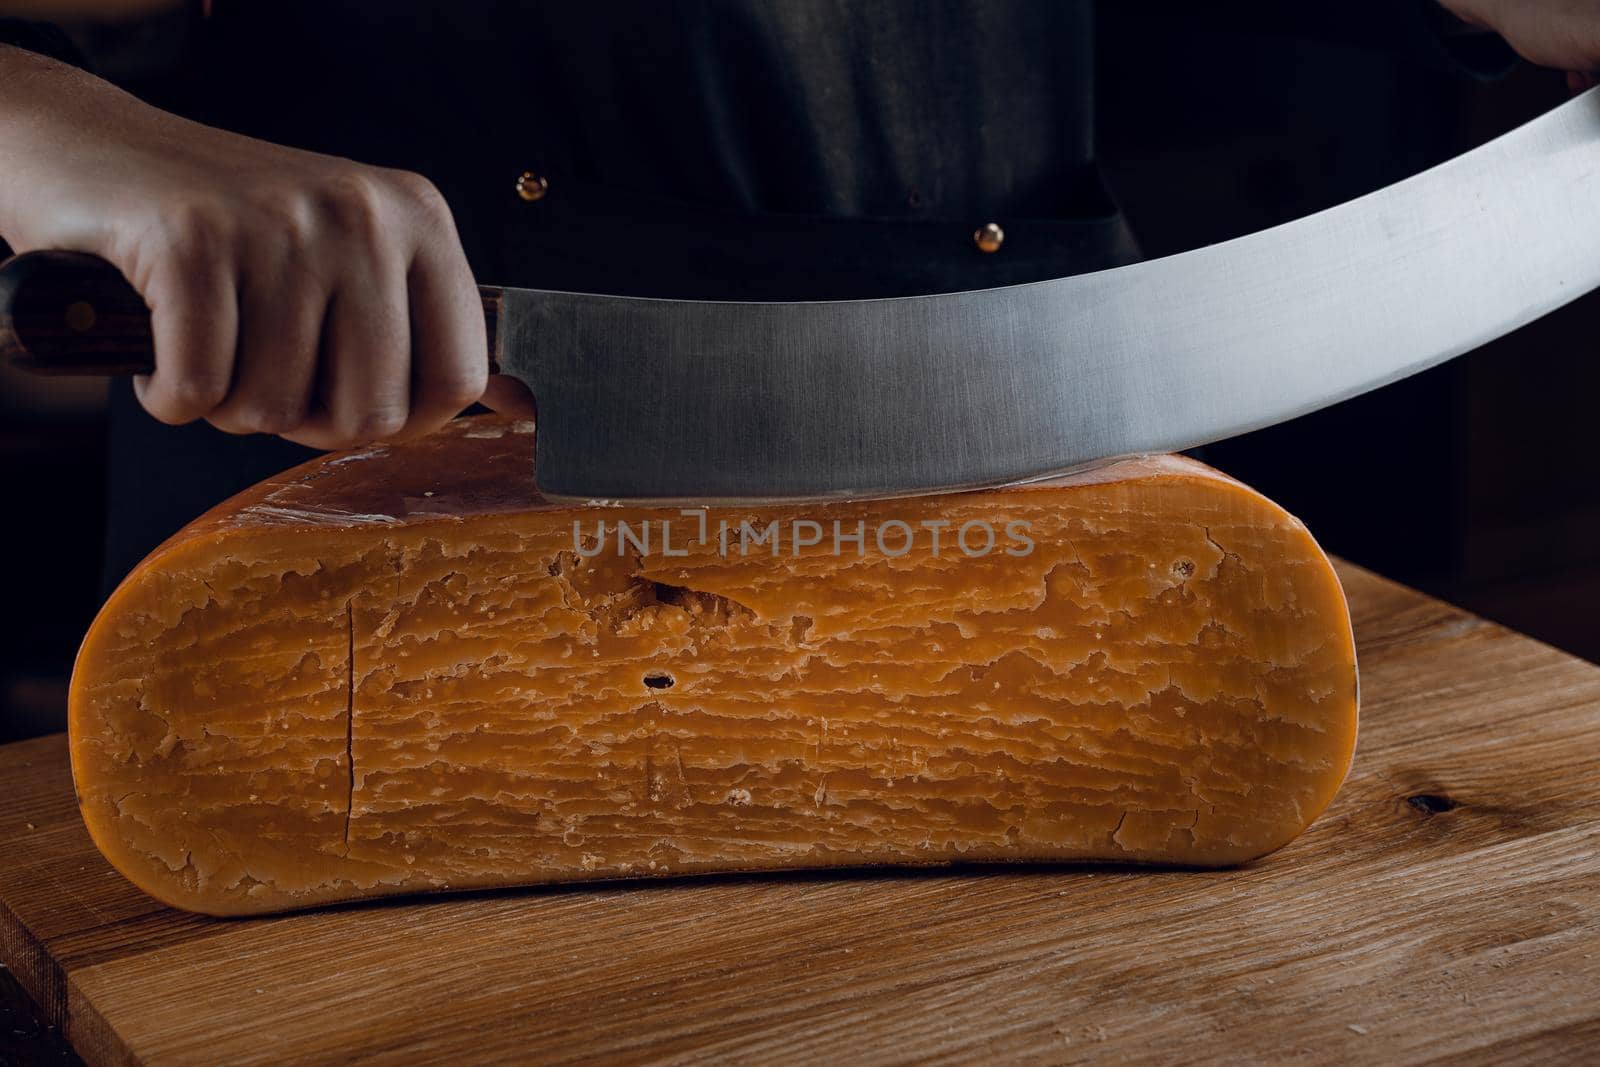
(509, 396)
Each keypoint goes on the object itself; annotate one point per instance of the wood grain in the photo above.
(68, 313)
(1448, 905)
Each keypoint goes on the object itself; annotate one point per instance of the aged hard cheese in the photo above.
(398, 669)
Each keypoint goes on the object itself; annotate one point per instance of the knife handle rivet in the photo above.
(989, 237)
(81, 316)
(531, 186)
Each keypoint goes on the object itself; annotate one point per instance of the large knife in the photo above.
(702, 402)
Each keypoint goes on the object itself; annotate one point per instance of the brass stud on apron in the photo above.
(531, 186)
(989, 237)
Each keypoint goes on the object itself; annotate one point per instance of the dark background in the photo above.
(1471, 482)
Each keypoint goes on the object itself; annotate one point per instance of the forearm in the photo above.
(1468, 11)
(39, 66)
(43, 102)
(290, 292)
(1563, 34)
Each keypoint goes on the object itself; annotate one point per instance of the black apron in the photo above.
(710, 149)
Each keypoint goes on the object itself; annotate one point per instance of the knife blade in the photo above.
(704, 402)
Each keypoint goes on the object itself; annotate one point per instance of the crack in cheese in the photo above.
(398, 669)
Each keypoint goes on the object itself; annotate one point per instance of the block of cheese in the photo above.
(398, 669)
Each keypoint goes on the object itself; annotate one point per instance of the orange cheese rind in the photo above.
(399, 670)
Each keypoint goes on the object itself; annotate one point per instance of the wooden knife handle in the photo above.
(70, 313)
(75, 314)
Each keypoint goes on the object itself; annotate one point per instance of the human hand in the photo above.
(312, 297)
(1564, 34)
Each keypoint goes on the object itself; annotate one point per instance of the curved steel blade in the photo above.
(690, 401)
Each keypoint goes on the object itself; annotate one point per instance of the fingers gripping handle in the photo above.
(70, 313)
(75, 314)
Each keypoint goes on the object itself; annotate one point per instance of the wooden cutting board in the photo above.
(1448, 904)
